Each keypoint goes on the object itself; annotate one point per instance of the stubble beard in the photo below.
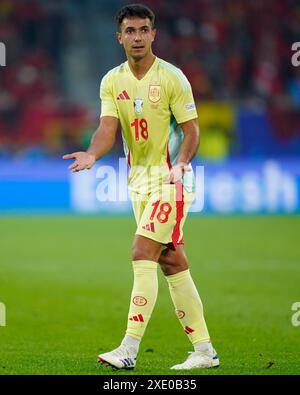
(138, 57)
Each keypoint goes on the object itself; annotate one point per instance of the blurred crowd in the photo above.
(36, 118)
(233, 50)
(238, 52)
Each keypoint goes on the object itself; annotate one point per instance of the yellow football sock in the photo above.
(143, 297)
(188, 305)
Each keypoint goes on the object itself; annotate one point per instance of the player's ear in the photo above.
(153, 34)
(119, 37)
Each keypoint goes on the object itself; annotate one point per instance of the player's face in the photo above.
(136, 35)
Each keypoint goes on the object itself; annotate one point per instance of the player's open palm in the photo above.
(83, 161)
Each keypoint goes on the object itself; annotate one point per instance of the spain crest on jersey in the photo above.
(154, 93)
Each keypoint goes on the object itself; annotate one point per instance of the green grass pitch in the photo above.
(66, 283)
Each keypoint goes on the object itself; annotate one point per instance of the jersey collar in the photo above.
(148, 72)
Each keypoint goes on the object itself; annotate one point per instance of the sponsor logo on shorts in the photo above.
(139, 301)
(180, 314)
(149, 227)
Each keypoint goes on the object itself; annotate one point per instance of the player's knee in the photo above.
(168, 269)
(145, 249)
(164, 267)
(137, 253)
(169, 265)
(141, 252)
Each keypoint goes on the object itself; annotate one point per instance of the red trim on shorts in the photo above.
(179, 216)
(168, 159)
(129, 162)
(128, 159)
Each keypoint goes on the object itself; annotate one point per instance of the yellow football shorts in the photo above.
(161, 214)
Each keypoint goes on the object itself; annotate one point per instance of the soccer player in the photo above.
(153, 101)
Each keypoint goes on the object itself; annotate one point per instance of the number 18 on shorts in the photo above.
(161, 214)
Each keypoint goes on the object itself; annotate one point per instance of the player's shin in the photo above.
(143, 297)
(188, 305)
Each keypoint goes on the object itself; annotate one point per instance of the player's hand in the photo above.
(176, 173)
(83, 161)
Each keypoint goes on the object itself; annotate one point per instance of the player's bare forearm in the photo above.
(190, 142)
(102, 141)
(187, 151)
(104, 137)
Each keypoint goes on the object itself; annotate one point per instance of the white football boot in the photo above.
(123, 357)
(199, 360)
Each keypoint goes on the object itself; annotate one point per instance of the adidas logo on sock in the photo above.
(149, 227)
(123, 96)
(138, 318)
(188, 330)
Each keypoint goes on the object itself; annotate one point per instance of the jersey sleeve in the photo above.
(182, 102)
(108, 106)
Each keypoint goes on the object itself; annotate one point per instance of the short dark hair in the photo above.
(135, 11)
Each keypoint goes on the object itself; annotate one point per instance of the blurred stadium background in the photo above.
(237, 56)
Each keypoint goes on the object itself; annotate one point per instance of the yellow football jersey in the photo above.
(150, 111)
